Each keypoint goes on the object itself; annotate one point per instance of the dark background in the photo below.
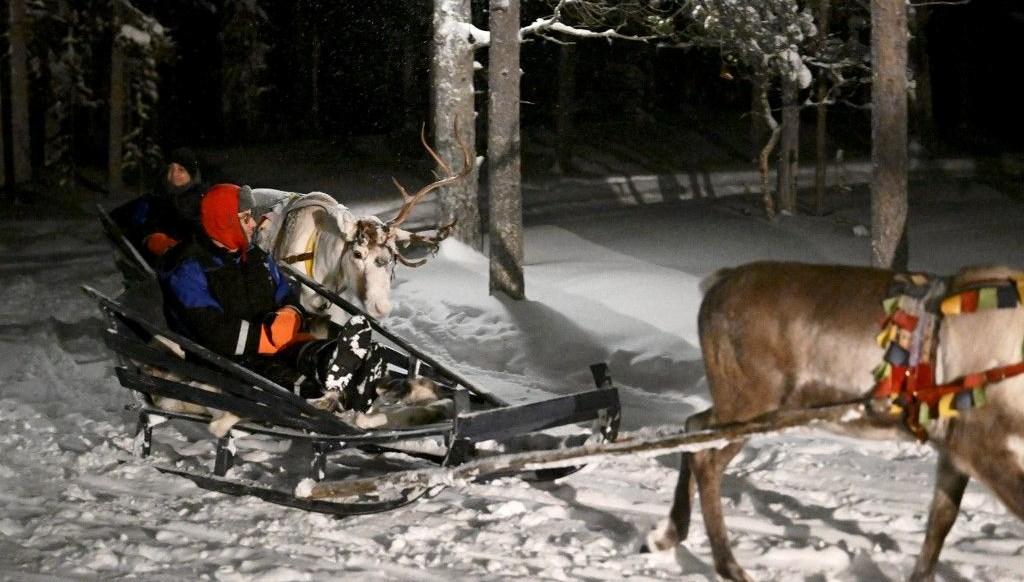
(373, 83)
(366, 48)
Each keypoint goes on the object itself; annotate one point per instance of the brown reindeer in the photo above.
(340, 251)
(778, 336)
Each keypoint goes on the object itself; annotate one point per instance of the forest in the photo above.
(152, 75)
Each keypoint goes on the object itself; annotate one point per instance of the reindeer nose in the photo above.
(379, 308)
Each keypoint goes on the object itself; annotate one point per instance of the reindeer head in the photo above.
(362, 253)
(369, 262)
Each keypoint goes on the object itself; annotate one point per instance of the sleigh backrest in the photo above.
(129, 261)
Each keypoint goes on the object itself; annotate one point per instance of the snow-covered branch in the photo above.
(543, 26)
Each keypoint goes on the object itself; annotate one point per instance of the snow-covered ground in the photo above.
(616, 285)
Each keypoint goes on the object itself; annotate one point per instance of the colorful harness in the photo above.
(905, 380)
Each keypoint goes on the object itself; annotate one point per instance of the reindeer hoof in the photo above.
(660, 539)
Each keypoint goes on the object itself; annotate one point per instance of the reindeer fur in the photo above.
(781, 336)
(357, 254)
(406, 402)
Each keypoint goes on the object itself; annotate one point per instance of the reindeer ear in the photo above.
(325, 222)
(340, 222)
(346, 222)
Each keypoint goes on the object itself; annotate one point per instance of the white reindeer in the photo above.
(323, 239)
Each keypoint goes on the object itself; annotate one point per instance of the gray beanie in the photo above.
(245, 199)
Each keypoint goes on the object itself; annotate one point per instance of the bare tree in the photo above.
(242, 32)
(503, 155)
(3, 150)
(115, 157)
(921, 95)
(764, 39)
(889, 133)
(20, 138)
(454, 41)
(452, 98)
(789, 144)
(823, 9)
(565, 109)
(70, 52)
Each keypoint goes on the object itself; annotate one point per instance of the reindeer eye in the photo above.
(381, 261)
(358, 255)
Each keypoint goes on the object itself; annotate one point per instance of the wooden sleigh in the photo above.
(276, 420)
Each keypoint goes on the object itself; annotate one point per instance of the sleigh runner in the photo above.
(272, 417)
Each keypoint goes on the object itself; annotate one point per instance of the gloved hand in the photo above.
(280, 328)
(159, 243)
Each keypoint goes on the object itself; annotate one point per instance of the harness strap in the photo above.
(972, 381)
(981, 295)
(308, 255)
(292, 259)
(310, 252)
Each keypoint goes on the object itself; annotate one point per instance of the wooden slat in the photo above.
(226, 365)
(517, 420)
(241, 407)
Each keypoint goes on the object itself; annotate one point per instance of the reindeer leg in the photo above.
(950, 484)
(709, 466)
(677, 527)
(686, 486)
(997, 465)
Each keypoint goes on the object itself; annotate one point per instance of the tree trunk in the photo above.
(304, 50)
(821, 127)
(451, 99)
(411, 64)
(3, 150)
(924, 119)
(789, 145)
(314, 81)
(765, 114)
(21, 151)
(503, 156)
(243, 28)
(115, 177)
(758, 126)
(889, 134)
(564, 114)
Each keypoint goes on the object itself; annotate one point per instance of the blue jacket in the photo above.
(221, 301)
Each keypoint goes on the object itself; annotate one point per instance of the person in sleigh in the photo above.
(229, 295)
(169, 213)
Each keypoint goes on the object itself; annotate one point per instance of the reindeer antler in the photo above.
(410, 201)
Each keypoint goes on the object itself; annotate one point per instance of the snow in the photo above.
(135, 35)
(617, 284)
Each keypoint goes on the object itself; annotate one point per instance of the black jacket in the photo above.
(172, 211)
(221, 301)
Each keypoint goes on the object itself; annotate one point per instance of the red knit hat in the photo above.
(219, 214)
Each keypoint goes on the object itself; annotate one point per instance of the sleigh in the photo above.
(284, 443)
